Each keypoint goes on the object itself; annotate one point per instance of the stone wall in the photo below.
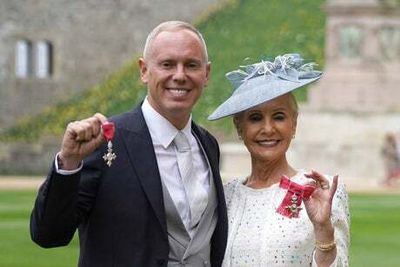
(362, 54)
(28, 158)
(89, 38)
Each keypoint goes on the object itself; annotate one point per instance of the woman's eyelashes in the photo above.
(280, 116)
(255, 117)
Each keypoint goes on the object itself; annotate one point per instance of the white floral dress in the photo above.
(259, 236)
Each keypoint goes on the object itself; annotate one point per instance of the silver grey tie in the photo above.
(196, 194)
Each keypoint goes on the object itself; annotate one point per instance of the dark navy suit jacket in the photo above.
(119, 210)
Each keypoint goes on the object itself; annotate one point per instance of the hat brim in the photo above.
(255, 92)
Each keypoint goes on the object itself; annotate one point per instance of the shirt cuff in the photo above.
(66, 172)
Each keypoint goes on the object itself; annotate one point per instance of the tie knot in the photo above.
(181, 142)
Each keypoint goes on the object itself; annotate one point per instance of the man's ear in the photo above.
(143, 70)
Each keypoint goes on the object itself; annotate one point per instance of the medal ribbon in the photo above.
(108, 133)
(108, 130)
(291, 203)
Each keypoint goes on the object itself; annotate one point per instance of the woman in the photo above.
(278, 215)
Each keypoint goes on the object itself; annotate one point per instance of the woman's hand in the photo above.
(319, 205)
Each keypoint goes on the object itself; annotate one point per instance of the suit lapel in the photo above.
(140, 149)
(219, 239)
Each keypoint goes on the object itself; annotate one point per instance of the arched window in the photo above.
(23, 59)
(44, 59)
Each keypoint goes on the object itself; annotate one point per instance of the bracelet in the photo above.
(325, 246)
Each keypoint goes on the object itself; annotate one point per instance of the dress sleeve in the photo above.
(341, 222)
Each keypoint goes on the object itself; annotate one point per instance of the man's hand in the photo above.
(80, 139)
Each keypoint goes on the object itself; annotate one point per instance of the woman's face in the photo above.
(268, 128)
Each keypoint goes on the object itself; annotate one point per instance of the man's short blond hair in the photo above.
(173, 25)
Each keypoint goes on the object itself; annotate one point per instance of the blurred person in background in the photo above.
(279, 215)
(391, 157)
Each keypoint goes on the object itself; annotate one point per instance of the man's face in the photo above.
(175, 73)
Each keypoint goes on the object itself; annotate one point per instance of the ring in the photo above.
(325, 186)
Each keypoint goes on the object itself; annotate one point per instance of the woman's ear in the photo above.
(236, 122)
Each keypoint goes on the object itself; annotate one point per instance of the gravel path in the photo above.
(20, 182)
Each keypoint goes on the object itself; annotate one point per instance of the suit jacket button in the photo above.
(160, 262)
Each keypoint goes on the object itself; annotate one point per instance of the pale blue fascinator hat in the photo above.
(263, 81)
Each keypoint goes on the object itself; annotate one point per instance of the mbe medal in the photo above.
(108, 133)
(291, 204)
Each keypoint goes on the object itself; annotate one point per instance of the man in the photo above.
(139, 211)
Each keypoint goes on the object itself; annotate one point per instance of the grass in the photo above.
(16, 247)
(375, 230)
(375, 233)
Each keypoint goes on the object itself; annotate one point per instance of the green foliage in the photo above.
(375, 234)
(252, 29)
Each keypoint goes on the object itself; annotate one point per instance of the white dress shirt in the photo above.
(162, 134)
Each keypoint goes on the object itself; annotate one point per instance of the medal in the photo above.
(108, 133)
(291, 203)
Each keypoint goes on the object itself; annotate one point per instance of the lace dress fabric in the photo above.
(259, 236)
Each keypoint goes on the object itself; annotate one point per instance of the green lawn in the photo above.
(375, 230)
(375, 233)
(16, 247)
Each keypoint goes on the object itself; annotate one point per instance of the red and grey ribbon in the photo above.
(291, 203)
